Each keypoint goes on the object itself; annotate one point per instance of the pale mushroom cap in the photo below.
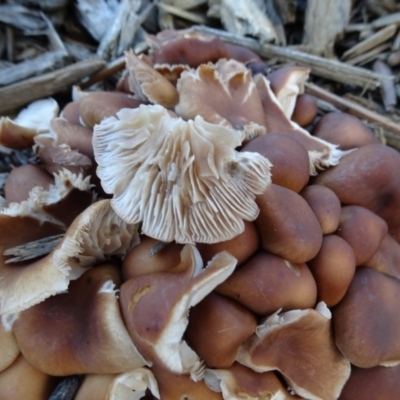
(183, 180)
(9, 349)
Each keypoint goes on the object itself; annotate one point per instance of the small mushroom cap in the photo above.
(241, 53)
(173, 387)
(267, 283)
(141, 259)
(287, 225)
(148, 84)
(155, 308)
(333, 269)
(325, 205)
(81, 331)
(372, 383)
(183, 180)
(217, 327)
(9, 349)
(300, 345)
(367, 321)
(23, 381)
(345, 130)
(289, 159)
(22, 179)
(133, 385)
(191, 48)
(362, 230)
(234, 101)
(305, 110)
(94, 386)
(240, 382)
(387, 257)
(287, 83)
(368, 177)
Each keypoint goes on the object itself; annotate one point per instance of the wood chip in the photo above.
(324, 22)
(375, 40)
(388, 90)
(369, 55)
(67, 388)
(196, 18)
(28, 251)
(21, 17)
(393, 18)
(21, 93)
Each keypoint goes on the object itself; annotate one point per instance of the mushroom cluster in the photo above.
(212, 237)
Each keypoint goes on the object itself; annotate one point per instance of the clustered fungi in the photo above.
(197, 257)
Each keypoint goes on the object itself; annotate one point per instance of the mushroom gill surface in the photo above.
(182, 179)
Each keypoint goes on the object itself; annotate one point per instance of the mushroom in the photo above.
(367, 321)
(372, 383)
(183, 47)
(333, 269)
(305, 110)
(94, 386)
(173, 386)
(321, 153)
(362, 230)
(183, 180)
(267, 283)
(217, 327)
(23, 381)
(239, 382)
(81, 331)
(234, 102)
(289, 159)
(325, 205)
(23, 179)
(20, 132)
(287, 83)
(147, 84)
(287, 225)
(155, 308)
(300, 345)
(94, 235)
(345, 130)
(368, 177)
(9, 349)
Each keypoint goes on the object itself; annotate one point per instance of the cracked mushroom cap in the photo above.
(147, 84)
(81, 331)
(300, 345)
(241, 383)
(93, 236)
(155, 308)
(223, 93)
(183, 180)
(287, 83)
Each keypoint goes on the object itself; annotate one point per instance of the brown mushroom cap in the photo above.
(9, 349)
(362, 230)
(183, 180)
(372, 383)
(367, 320)
(267, 283)
(234, 102)
(23, 381)
(148, 84)
(333, 269)
(239, 382)
(325, 205)
(345, 130)
(94, 386)
(300, 345)
(289, 159)
(217, 327)
(305, 110)
(155, 308)
(173, 387)
(368, 177)
(287, 225)
(22, 179)
(386, 258)
(81, 331)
